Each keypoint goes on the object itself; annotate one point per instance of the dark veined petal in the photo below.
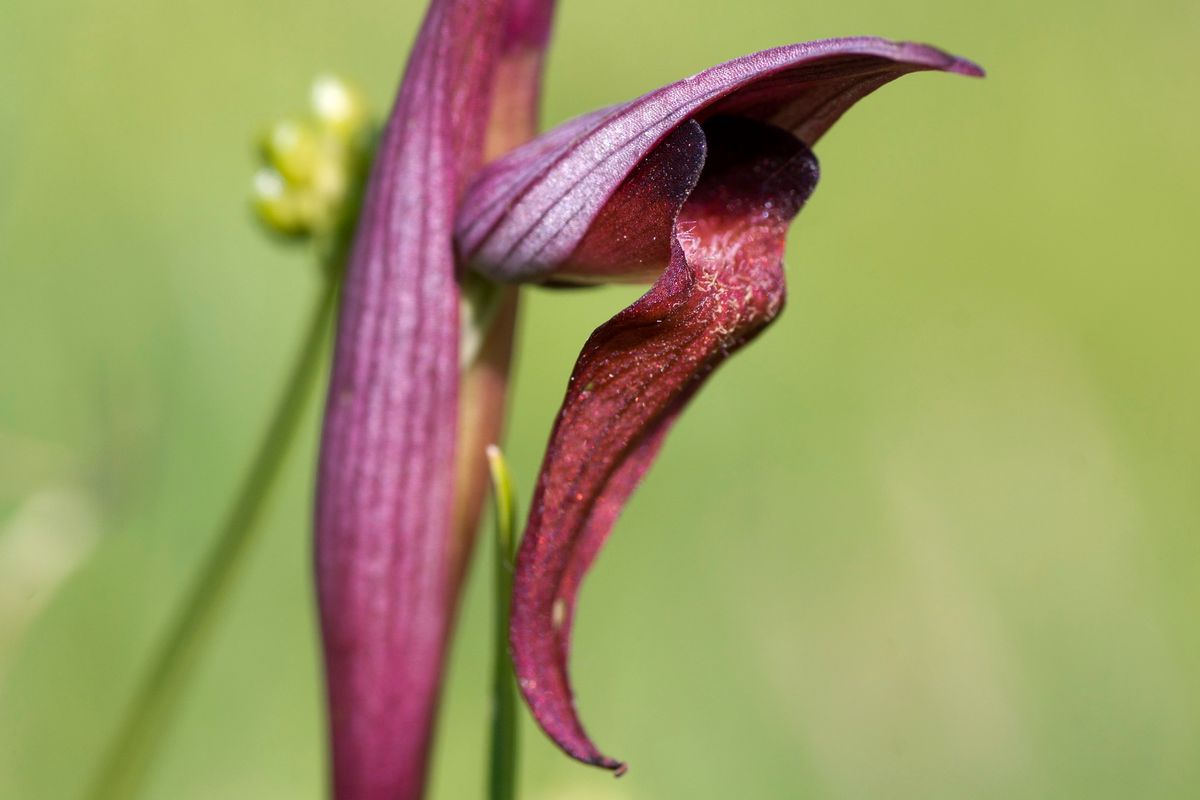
(386, 486)
(723, 284)
(695, 183)
(525, 216)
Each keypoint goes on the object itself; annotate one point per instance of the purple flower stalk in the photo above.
(691, 187)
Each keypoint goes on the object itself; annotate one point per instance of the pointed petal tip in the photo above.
(594, 758)
(962, 66)
(617, 768)
(929, 56)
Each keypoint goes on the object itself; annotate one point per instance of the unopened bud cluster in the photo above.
(312, 163)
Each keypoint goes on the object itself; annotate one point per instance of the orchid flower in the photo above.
(692, 187)
(694, 183)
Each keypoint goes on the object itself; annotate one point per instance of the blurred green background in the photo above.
(936, 535)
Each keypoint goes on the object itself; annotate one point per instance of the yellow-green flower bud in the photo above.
(293, 148)
(276, 206)
(312, 163)
(339, 106)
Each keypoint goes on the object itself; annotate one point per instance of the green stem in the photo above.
(123, 770)
(502, 774)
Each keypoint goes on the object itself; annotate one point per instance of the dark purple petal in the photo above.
(526, 215)
(630, 239)
(724, 283)
(386, 486)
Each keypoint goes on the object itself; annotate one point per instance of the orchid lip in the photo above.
(723, 285)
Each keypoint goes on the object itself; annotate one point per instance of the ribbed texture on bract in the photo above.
(386, 486)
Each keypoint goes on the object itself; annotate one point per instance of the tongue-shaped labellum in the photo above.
(723, 284)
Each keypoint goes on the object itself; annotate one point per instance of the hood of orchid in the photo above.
(692, 187)
(524, 217)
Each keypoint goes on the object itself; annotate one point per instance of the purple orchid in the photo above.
(696, 184)
(692, 186)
